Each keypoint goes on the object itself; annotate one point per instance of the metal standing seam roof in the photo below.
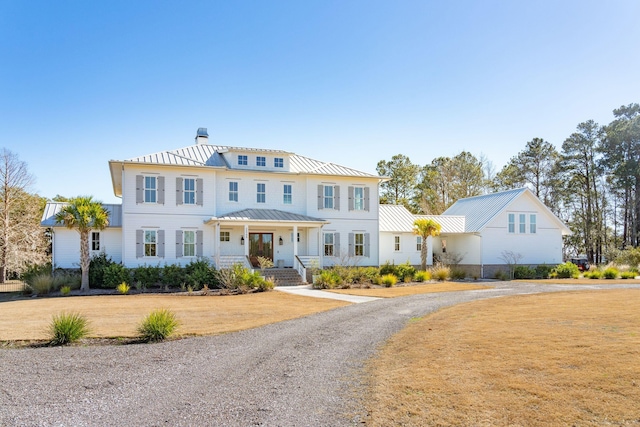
(267, 215)
(398, 219)
(479, 210)
(52, 208)
(213, 155)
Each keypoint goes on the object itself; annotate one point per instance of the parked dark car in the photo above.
(582, 263)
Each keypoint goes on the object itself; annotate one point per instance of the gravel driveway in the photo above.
(304, 372)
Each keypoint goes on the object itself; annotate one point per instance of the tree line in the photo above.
(592, 183)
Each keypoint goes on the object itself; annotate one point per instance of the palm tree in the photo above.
(425, 228)
(84, 214)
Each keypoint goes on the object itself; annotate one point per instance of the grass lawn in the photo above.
(402, 291)
(119, 315)
(570, 358)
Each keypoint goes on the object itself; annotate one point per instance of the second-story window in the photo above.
(523, 223)
(278, 162)
(189, 191)
(328, 196)
(358, 198)
(233, 191)
(150, 189)
(512, 223)
(262, 193)
(287, 199)
(532, 224)
(261, 161)
(243, 160)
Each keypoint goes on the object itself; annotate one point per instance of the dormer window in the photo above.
(278, 162)
(243, 160)
(261, 161)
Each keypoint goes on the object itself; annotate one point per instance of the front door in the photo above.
(260, 244)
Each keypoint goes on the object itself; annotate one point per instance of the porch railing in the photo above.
(299, 266)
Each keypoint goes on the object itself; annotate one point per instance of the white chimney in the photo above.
(202, 137)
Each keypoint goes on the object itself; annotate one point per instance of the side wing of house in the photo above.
(525, 228)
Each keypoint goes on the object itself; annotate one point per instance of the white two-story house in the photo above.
(231, 205)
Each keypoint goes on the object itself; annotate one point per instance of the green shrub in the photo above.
(41, 284)
(387, 268)
(158, 325)
(174, 275)
(65, 290)
(148, 275)
(422, 276)
(595, 274)
(123, 288)
(567, 270)
(458, 274)
(200, 272)
(628, 275)
(97, 267)
(404, 270)
(610, 273)
(357, 275)
(629, 256)
(441, 273)
(389, 280)
(114, 274)
(66, 328)
(523, 272)
(542, 271)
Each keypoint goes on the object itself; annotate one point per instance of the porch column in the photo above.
(295, 241)
(319, 248)
(246, 240)
(429, 243)
(216, 244)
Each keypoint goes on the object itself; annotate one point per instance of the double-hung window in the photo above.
(522, 225)
(95, 241)
(189, 191)
(532, 224)
(189, 243)
(261, 161)
(512, 223)
(329, 244)
(358, 198)
(286, 198)
(262, 193)
(328, 196)
(418, 243)
(396, 243)
(278, 162)
(359, 244)
(233, 191)
(150, 189)
(150, 243)
(243, 160)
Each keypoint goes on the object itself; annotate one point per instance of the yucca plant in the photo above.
(66, 328)
(158, 325)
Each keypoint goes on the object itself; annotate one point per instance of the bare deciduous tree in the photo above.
(21, 238)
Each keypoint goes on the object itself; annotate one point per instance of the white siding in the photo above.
(66, 247)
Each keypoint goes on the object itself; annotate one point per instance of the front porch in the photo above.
(289, 240)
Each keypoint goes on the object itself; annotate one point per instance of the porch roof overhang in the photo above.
(266, 216)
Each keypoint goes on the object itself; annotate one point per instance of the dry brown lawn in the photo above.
(119, 315)
(402, 291)
(536, 360)
(582, 281)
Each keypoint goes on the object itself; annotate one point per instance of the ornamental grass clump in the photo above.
(595, 274)
(158, 325)
(123, 288)
(65, 290)
(389, 280)
(41, 284)
(441, 273)
(67, 328)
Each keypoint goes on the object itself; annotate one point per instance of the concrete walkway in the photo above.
(308, 291)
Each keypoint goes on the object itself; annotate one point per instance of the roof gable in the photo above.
(480, 210)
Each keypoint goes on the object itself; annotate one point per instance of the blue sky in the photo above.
(352, 82)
